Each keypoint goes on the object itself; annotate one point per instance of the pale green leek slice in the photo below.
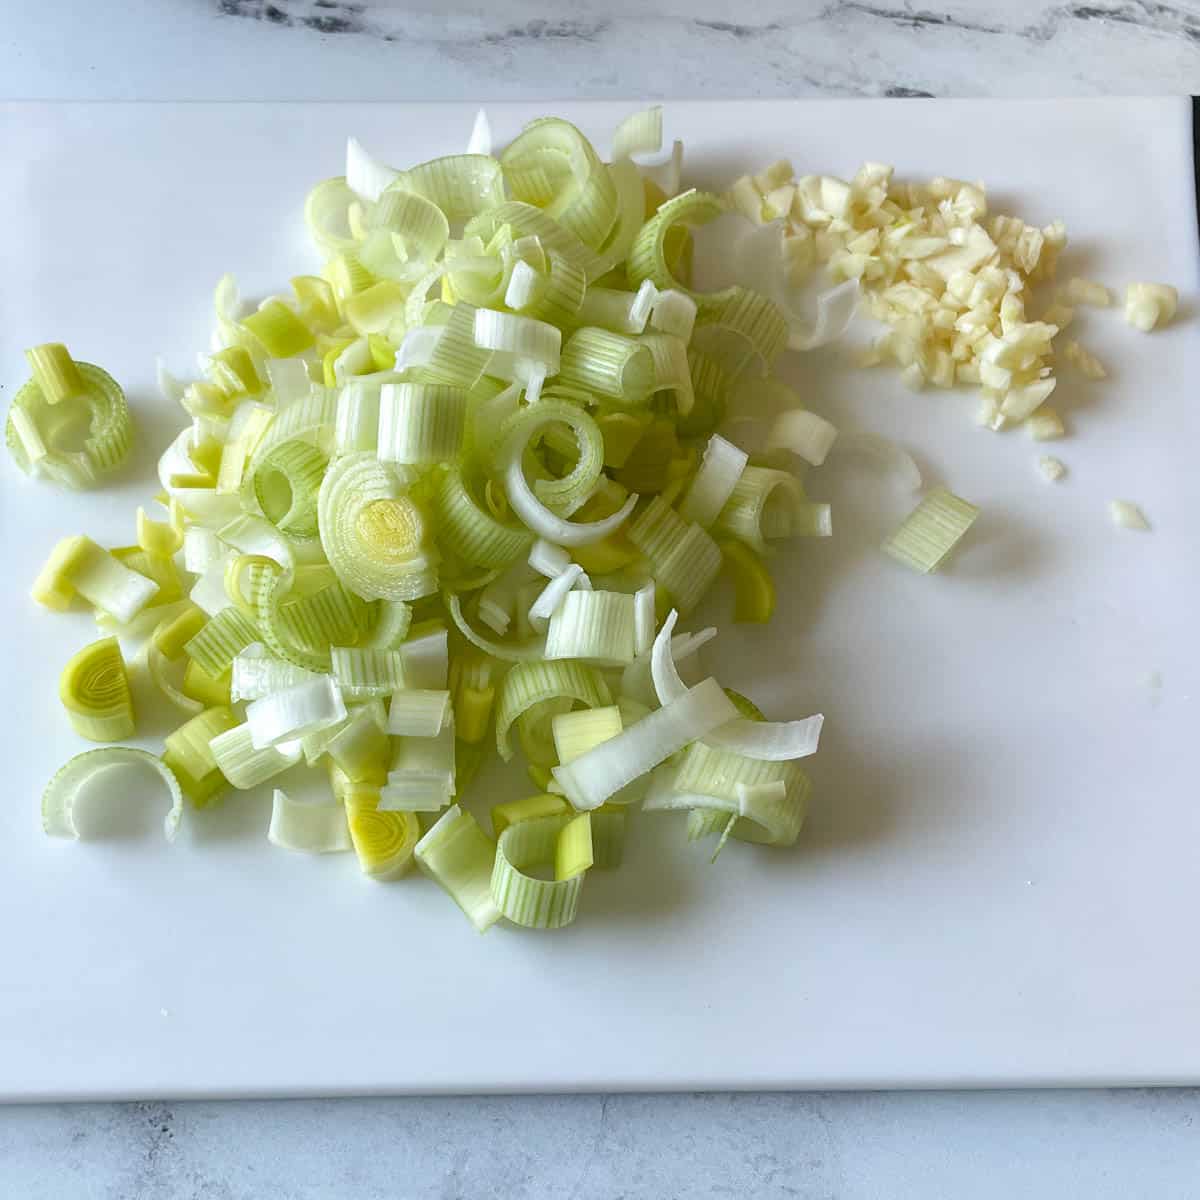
(461, 185)
(94, 689)
(418, 712)
(524, 899)
(393, 619)
(287, 480)
(459, 856)
(245, 767)
(608, 364)
(419, 423)
(555, 297)
(311, 828)
(357, 426)
(648, 256)
(363, 673)
(684, 560)
(527, 220)
(763, 505)
(326, 212)
(604, 770)
(931, 531)
(374, 533)
(83, 399)
(425, 657)
(672, 372)
(188, 752)
(532, 683)
(221, 640)
(278, 330)
(596, 627)
(739, 325)
(468, 531)
(81, 776)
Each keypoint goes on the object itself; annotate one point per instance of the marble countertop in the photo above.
(845, 1146)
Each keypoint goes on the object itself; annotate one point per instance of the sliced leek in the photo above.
(459, 856)
(94, 690)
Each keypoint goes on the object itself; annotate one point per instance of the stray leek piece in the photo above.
(459, 856)
(532, 807)
(188, 752)
(94, 690)
(311, 828)
(66, 398)
(931, 531)
(383, 841)
(80, 775)
(526, 900)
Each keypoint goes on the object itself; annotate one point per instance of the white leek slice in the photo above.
(311, 828)
(422, 776)
(673, 312)
(80, 775)
(883, 451)
(366, 176)
(835, 311)
(803, 433)
(595, 776)
(520, 345)
(480, 141)
(552, 596)
(548, 559)
(525, 899)
(459, 857)
(294, 712)
(720, 468)
(425, 658)
(643, 618)
(418, 712)
(256, 672)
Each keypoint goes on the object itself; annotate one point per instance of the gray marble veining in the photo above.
(393, 49)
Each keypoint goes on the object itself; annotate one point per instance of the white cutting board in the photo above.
(999, 881)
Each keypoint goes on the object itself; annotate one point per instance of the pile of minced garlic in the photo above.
(948, 279)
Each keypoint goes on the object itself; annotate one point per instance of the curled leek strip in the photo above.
(468, 531)
(459, 857)
(527, 220)
(41, 424)
(648, 255)
(720, 469)
(524, 899)
(327, 213)
(373, 532)
(505, 651)
(462, 185)
(287, 480)
(546, 524)
(63, 792)
(596, 626)
(764, 504)
(533, 683)
(595, 776)
(739, 325)
(311, 828)
(608, 364)
(94, 690)
(552, 165)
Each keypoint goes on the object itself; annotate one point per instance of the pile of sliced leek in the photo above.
(452, 496)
